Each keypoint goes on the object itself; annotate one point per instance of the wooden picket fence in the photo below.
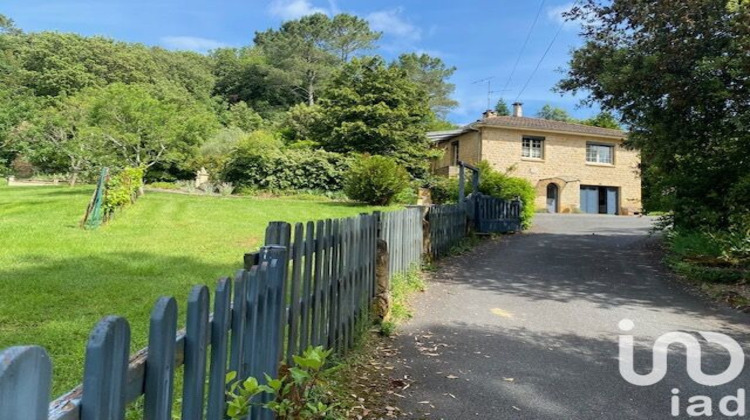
(402, 231)
(447, 228)
(243, 335)
(312, 284)
(331, 280)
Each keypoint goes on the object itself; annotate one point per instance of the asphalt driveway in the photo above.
(527, 327)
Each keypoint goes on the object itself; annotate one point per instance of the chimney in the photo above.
(518, 109)
(489, 114)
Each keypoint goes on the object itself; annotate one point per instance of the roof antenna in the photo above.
(489, 89)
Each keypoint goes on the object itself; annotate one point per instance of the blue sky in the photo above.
(481, 38)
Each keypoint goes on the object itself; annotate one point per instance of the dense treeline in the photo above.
(71, 104)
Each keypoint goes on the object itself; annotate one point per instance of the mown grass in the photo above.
(57, 280)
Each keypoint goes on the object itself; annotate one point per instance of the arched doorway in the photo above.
(552, 197)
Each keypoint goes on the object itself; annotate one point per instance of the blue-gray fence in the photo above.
(447, 228)
(312, 284)
(402, 231)
(495, 215)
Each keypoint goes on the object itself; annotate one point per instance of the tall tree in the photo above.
(549, 112)
(432, 74)
(603, 119)
(304, 52)
(377, 109)
(297, 52)
(349, 35)
(501, 108)
(59, 139)
(677, 74)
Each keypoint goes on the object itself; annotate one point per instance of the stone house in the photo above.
(574, 167)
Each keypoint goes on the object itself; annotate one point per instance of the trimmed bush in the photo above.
(375, 180)
(286, 169)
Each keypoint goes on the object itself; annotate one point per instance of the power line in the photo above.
(523, 47)
(549, 47)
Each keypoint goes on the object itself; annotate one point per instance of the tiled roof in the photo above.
(541, 124)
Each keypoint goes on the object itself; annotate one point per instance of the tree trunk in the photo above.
(73, 178)
(310, 93)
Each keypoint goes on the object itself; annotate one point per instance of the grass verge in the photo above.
(714, 264)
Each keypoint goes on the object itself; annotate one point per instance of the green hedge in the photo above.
(288, 169)
(122, 189)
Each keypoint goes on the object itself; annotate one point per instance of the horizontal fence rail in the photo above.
(312, 284)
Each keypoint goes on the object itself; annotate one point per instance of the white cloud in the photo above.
(191, 43)
(392, 23)
(555, 14)
(293, 9)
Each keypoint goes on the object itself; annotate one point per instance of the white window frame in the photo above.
(594, 155)
(532, 147)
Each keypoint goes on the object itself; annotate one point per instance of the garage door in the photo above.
(589, 199)
(598, 200)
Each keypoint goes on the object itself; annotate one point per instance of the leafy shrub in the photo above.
(444, 190)
(187, 186)
(298, 393)
(288, 169)
(164, 185)
(375, 180)
(122, 189)
(225, 188)
(500, 185)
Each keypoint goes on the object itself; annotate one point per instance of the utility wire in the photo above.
(523, 47)
(549, 47)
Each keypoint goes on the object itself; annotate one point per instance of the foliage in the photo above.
(218, 149)
(299, 392)
(497, 184)
(287, 169)
(548, 112)
(375, 180)
(676, 74)
(444, 190)
(122, 189)
(501, 108)
(303, 123)
(603, 119)
(375, 109)
(243, 117)
(143, 129)
(304, 52)
(431, 74)
(403, 285)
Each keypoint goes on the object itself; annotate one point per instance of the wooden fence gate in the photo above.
(495, 215)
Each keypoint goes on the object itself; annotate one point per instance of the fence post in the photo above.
(25, 377)
(382, 282)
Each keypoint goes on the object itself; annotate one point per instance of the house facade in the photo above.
(574, 168)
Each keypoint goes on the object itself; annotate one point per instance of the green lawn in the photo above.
(57, 280)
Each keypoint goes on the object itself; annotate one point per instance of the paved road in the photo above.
(527, 327)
